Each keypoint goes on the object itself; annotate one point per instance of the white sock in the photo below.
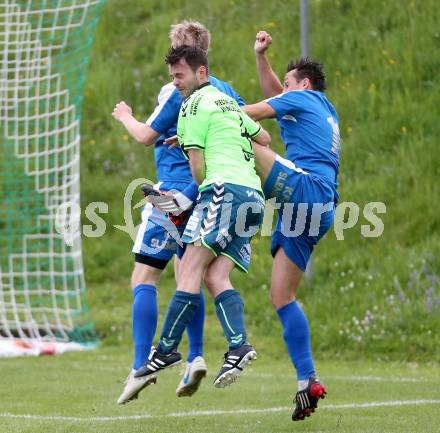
(302, 384)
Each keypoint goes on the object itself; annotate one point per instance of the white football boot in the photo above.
(195, 371)
(133, 386)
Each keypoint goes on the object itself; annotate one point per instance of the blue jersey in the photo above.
(172, 166)
(310, 130)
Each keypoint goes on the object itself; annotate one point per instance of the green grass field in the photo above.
(373, 304)
(77, 393)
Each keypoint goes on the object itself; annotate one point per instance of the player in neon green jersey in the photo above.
(217, 138)
(213, 122)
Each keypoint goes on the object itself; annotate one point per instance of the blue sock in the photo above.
(297, 337)
(144, 317)
(181, 310)
(230, 312)
(194, 330)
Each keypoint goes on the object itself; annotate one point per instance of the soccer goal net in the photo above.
(44, 52)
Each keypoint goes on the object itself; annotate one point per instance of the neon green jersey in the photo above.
(213, 122)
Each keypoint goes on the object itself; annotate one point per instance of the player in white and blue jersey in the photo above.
(154, 247)
(304, 183)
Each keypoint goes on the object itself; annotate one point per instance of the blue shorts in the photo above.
(307, 210)
(158, 239)
(225, 218)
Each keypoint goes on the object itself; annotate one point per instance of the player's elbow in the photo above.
(147, 136)
(263, 138)
(145, 139)
(266, 139)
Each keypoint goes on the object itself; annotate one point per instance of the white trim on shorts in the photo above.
(146, 213)
(289, 164)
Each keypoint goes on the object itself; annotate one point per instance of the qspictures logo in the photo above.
(294, 219)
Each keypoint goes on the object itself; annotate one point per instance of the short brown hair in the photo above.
(308, 68)
(193, 55)
(190, 33)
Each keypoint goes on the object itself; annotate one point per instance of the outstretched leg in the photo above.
(286, 277)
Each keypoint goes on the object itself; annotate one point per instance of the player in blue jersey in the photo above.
(154, 247)
(305, 185)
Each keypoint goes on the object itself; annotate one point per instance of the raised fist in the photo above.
(262, 42)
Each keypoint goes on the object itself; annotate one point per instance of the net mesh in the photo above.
(44, 50)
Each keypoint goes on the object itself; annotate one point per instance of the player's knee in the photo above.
(210, 280)
(215, 281)
(144, 275)
(134, 279)
(274, 299)
(280, 299)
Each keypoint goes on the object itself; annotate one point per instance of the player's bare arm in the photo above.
(141, 132)
(197, 164)
(260, 110)
(263, 138)
(269, 82)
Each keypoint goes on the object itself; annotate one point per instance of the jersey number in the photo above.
(336, 136)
